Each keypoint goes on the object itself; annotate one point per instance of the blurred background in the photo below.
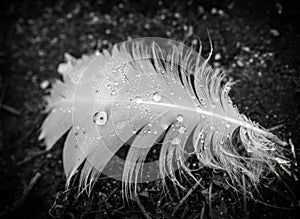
(256, 42)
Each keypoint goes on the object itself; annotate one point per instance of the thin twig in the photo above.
(138, 201)
(185, 197)
(276, 127)
(28, 159)
(244, 197)
(276, 207)
(11, 110)
(110, 194)
(202, 210)
(24, 195)
(293, 150)
(209, 201)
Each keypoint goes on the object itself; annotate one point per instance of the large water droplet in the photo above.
(156, 97)
(100, 118)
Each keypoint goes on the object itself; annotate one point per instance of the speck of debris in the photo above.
(217, 56)
(274, 32)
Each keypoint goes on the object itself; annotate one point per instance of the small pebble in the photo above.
(218, 56)
(214, 11)
(240, 63)
(274, 32)
(44, 84)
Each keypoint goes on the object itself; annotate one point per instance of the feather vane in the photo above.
(147, 92)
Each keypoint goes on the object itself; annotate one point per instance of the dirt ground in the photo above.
(256, 42)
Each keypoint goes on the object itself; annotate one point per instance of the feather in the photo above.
(152, 91)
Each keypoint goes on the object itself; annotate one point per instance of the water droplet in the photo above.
(113, 93)
(175, 141)
(138, 99)
(156, 97)
(109, 86)
(182, 129)
(164, 126)
(171, 93)
(100, 118)
(180, 118)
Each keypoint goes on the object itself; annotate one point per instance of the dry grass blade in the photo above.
(185, 197)
(202, 210)
(209, 201)
(244, 197)
(24, 195)
(138, 201)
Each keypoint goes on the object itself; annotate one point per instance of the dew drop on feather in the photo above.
(100, 118)
(156, 97)
(182, 129)
(175, 141)
(180, 118)
(113, 93)
(164, 126)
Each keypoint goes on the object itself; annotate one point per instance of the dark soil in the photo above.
(256, 42)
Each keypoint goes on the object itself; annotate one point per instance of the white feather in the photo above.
(144, 91)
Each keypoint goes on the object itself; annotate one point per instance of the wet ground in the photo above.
(256, 42)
